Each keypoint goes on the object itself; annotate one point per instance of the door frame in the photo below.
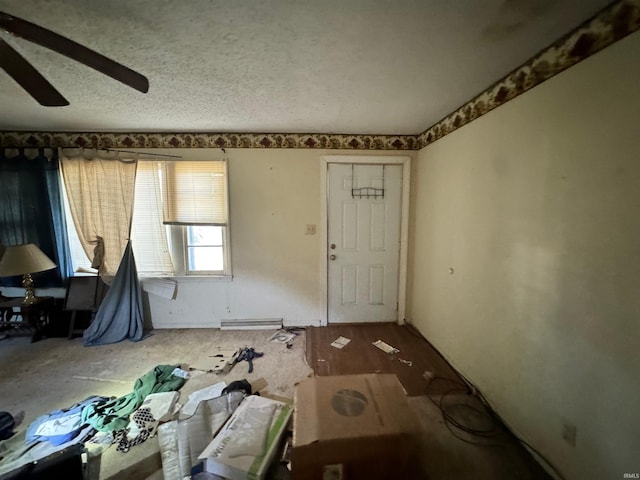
(405, 162)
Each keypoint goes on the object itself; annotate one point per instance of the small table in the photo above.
(35, 316)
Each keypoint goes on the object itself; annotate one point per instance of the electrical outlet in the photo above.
(569, 433)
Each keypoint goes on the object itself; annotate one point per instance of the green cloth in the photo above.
(114, 414)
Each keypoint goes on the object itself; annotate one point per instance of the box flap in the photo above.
(350, 406)
(230, 454)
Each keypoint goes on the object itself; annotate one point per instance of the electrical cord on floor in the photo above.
(451, 422)
(294, 329)
(493, 432)
(468, 388)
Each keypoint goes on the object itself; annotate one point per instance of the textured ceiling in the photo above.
(312, 66)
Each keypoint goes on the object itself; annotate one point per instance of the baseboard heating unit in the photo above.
(251, 324)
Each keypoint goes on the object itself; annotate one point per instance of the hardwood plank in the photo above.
(360, 356)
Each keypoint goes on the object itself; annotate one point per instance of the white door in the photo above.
(364, 242)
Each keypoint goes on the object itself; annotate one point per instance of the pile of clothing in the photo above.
(127, 421)
(97, 422)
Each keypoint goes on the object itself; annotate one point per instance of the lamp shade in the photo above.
(21, 259)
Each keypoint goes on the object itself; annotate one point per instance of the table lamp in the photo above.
(24, 260)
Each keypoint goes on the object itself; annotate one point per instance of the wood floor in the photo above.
(448, 452)
(360, 356)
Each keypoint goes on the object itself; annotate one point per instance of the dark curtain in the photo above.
(31, 212)
(58, 219)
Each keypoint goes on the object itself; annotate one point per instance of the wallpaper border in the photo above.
(208, 140)
(608, 26)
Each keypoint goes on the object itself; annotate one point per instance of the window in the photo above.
(80, 263)
(205, 249)
(180, 219)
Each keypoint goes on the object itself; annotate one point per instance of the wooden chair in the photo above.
(84, 294)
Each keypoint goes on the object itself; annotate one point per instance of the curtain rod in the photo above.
(146, 153)
(126, 151)
(141, 153)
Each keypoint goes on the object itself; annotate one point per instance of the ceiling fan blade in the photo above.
(28, 77)
(51, 40)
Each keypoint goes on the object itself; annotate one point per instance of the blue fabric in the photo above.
(59, 221)
(25, 212)
(119, 316)
(69, 430)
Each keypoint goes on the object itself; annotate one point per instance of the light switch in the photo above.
(310, 230)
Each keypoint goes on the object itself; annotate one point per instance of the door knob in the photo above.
(332, 246)
(332, 257)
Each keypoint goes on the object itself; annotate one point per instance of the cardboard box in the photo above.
(182, 441)
(231, 454)
(351, 427)
(223, 359)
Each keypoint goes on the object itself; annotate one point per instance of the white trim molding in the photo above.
(405, 162)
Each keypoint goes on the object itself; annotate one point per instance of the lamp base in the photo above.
(29, 292)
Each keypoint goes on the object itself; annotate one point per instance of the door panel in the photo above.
(363, 266)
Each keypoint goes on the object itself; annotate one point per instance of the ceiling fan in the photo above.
(34, 83)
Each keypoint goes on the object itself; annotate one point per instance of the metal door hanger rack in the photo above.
(366, 192)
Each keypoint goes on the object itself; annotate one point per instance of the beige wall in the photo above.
(274, 194)
(536, 208)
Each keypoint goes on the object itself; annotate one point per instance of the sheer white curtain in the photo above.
(150, 245)
(100, 189)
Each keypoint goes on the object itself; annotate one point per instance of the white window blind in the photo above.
(195, 193)
(150, 245)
